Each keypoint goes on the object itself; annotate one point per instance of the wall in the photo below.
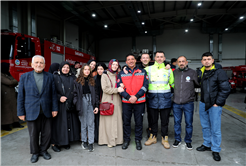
(114, 48)
(72, 34)
(4, 15)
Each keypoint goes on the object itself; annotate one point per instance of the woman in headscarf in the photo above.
(8, 99)
(111, 127)
(92, 64)
(54, 67)
(100, 69)
(66, 125)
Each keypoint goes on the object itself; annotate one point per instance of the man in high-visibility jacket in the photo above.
(133, 98)
(159, 98)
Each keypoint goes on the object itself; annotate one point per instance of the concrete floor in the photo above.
(15, 146)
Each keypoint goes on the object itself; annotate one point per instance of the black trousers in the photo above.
(43, 125)
(148, 114)
(138, 111)
(164, 114)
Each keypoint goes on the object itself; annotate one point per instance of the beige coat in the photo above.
(8, 100)
(111, 127)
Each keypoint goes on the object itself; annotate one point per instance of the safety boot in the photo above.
(165, 143)
(152, 140)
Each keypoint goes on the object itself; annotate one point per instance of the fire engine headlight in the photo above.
(233, 83)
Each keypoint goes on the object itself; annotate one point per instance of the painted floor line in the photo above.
(4, 133)
(236, 111)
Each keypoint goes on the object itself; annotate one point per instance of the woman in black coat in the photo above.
(66, 125)
(100, 69)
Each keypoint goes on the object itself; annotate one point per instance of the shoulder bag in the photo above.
(107, 108)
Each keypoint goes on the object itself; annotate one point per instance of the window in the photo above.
(25, 48)
(7, 46)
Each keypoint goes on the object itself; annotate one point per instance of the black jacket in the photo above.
(185, 83)
(215, 86)
(78, 94)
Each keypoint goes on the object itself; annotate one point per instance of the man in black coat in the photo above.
(215, 88)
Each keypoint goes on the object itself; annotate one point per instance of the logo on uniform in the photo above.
(17, 62)
(164, 75)
(188, 79)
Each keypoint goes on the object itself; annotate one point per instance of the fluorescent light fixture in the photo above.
(105, 26)
(199, 4)
(139, 11)
(145, 31)
(226, 29)
(186, 30)
(191, 19)
(93, 15)
(143, 23)
(241, 17)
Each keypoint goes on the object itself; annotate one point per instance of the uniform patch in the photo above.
(118, 80)
(147, 77)
(188, 79)
(164, 75)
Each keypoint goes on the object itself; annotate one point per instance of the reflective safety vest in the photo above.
(160, 78)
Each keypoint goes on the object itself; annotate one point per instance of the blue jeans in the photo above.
(211, 126)
(188, 110)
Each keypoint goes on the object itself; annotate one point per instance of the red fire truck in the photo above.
(241, 76)
(18, 49)
(230, 71)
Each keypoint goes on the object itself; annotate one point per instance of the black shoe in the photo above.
(56, 148)
(138, 145)
(216, 156)
(90, 147)
(45, 155)
(34, 158)
(176, 144)
(6, 127)
(203, 148)
(66, 147)
(125, 145)
(84, 145)
(188, 146)
(17, 125)
(148, 132)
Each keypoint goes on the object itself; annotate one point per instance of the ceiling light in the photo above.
(199, 4)
(145, 31)
(139, 11)
(241, 17)
(186, 30)
(191, 19)
(226, 29)
(105, 26)
(93, 15)
(143, 23)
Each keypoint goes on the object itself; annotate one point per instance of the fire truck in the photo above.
(18, 49)
(230, 71)
(241, 77)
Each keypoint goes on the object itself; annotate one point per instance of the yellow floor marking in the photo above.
(236, 111)
(3, 132)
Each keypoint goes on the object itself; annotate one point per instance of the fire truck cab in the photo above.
(231, 76)
(241, 77)
(18, 49)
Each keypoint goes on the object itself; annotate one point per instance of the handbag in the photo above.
(107, 108)
(70, 107)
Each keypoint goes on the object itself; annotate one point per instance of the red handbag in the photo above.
(107, 108)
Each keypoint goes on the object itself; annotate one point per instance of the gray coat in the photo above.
(184, 85)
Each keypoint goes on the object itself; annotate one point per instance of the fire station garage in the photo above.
(78, 31)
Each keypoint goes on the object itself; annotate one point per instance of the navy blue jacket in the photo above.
(29, 99)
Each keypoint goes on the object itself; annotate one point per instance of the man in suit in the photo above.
(37, 103)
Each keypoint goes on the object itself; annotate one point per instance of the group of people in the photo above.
(64, 105)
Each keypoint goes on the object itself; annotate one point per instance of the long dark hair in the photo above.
(81, 78)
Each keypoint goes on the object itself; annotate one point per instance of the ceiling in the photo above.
(122, 17)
